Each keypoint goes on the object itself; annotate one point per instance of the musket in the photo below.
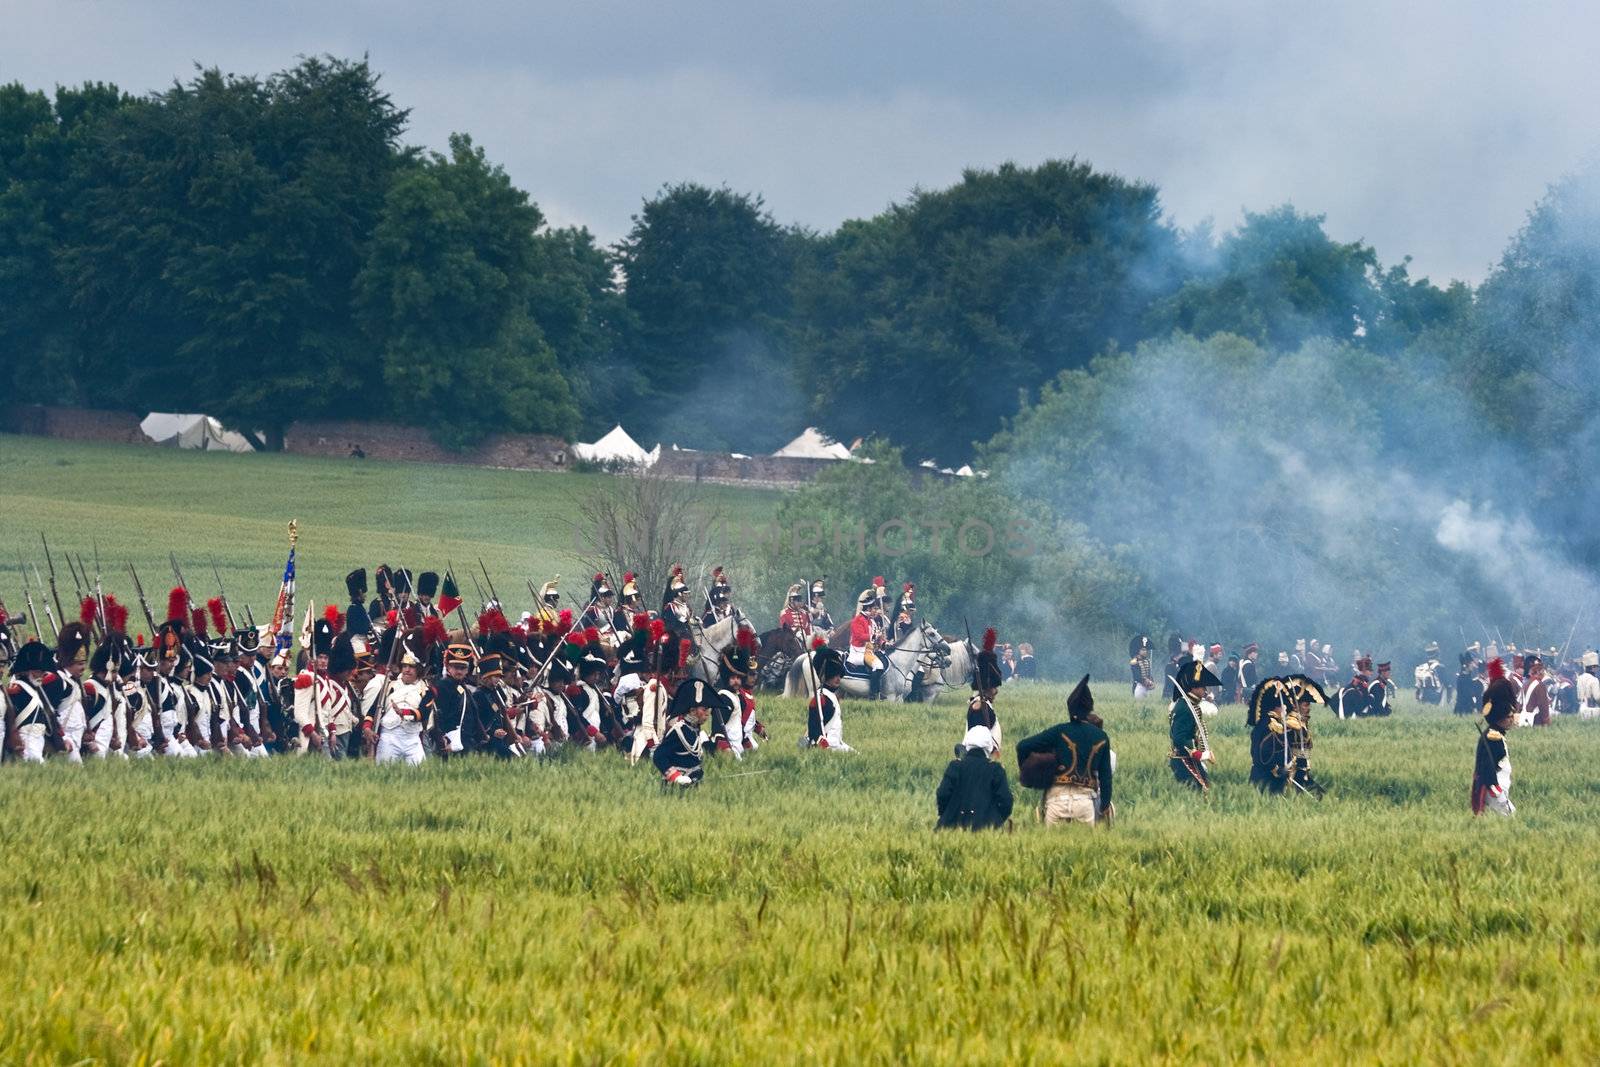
(250, 616)
(101, 615)
(50, 563)
(559, 641)
(227, 610)
(490, 583)
(78, 584)
(461, 613)
(27, 596)
(1573, 633)
(138, 589)
(483, 600)
(55, 626)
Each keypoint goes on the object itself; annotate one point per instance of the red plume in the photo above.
(493, 621)
(118, 615)
(564, 625)
(87, 612)
(433, 631)
(641, 621)
(3, 617)
(331, 613)
(197, 620)
(685, 650)
(908, 588)
(140, 641)
(1497, 669)
(989, 639)
(628, 577)
(599, 577)
(219, 616)
(818, 642)
(591, 636)
(878, 580)
(392, 618)
(176, 601)
(658, 630)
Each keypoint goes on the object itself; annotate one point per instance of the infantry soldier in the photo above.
(732, 726)
(403, 712)
(450, 695)
(1140, 666)
(63, 687)
(823, 726)
(1245, 681)
(487, 727)
(679, 755)
(30, 720)
(427, 589)
(1534, 699)
(1191, 749)
(986, 682)
(1469, 689)
(356, 619)
(1354, 700)
(1428, 677)
(1073, 763)
(1491, 771)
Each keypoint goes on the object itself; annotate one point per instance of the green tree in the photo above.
(221, 227)
(445, 295)
(927, 322)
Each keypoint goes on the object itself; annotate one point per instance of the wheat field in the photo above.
(796, 908)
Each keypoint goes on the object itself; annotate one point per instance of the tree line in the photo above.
(267, 249)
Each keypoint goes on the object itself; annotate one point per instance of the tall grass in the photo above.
(292, 910)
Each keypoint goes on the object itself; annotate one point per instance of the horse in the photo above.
(955, 672)
(921, 651)
(778, 648)
(710, 642)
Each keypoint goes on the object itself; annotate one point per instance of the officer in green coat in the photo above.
(1073, 763)
(1191, 748)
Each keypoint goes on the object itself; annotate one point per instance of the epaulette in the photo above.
(1494, 735)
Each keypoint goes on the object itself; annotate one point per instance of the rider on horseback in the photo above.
(867, 635)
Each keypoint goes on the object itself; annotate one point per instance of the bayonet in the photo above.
(50, 564)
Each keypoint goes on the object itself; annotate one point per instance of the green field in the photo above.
(139, 503)
(292, 911)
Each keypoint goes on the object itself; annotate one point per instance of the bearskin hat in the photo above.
(1138, 644)
(427, 583)
(1499, 696)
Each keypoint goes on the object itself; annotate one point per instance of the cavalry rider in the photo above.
(905, 616)
(821, 621)
(601, 614)
(986, 682)
(823, 726)
(794, 616)
(630, 604)
(719, 601)
(675, 603)
(866, 637)
(1491, 771)
(1191, 749)
(1079, 763)
(548, 610)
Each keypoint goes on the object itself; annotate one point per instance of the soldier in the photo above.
(1469, 689)
(592, 707)
(735, 668)
(1191, 748)
(600, 615)
(795, 616)
(1428, 678)
(487, 727)
(1280, 744)
(30, 720)
(403, 712)
(1027, 669)
(679, 756)
(1491, 771)
(675, 604)
(1355, 699)
(1588, 686)
(427, 589)
(164, 691)
(865, 635)
(631, 604)
(104, 704)
(823, 726)
(1245, 682)
(648, 701)
(1380, 695)
(986, 682)
(1533, 701)
(450, 696)
(821, 621)
(1074, 763)
(356, 619)
(974, 793)
(719, 601)
(549, 607)
(63, 688)
(905, 614)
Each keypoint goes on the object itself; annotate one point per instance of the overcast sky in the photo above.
(1426, 128)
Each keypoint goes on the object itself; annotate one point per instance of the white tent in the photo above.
(814, 444)
(614, 447)
(192, 431)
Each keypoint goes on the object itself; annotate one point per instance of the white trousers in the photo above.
(72, 727)
(1070, 803)
(100, 736)
(401, 744)
(32, 736)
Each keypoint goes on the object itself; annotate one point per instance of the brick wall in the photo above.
(392, 441)
(72, 424)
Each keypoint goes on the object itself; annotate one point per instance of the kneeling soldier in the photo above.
(678, 756)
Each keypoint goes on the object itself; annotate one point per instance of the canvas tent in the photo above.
(192, 431)
(813, 444)
(615, 447)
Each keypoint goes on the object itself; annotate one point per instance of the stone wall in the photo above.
(72, 424)
(392, 441)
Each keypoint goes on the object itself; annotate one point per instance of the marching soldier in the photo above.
(824, 728)
(1469, 689)
(986, 682)
(164, 689)
(488, 722)
(427, 589)
(1491, 771)
(63, 687)
(1074, 763)
(30, 720)
(450, 696)
(591, 705)
(1191, 748)
(356, 619)
(104, 703)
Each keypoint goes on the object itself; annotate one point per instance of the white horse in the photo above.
(955, 672)
(712, 641)
(920, 651)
